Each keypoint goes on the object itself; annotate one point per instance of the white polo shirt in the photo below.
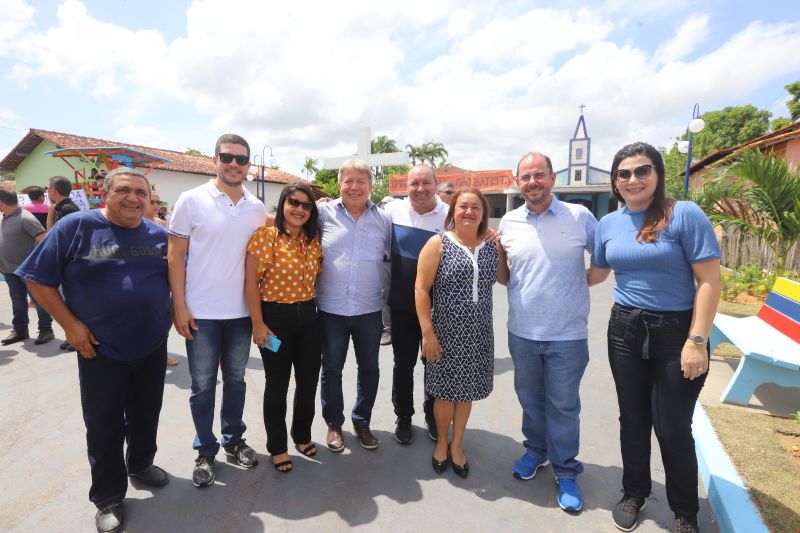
(218, 231)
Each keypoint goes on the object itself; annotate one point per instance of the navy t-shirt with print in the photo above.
(114, 280)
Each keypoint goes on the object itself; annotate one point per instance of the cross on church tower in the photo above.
(364, 153)
(581, 107)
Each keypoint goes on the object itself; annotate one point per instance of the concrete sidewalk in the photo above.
(45, 473)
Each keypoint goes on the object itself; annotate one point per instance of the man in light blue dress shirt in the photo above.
(548, 300)
(355, 244)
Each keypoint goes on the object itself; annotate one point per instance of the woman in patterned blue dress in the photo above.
(453, 292)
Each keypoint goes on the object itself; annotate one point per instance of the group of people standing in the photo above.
(302, 283)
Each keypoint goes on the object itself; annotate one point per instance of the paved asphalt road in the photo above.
(45, 474)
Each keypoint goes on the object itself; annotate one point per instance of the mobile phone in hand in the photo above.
(276, 343)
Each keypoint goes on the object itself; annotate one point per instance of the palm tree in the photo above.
(383, 145)
(416, 154)
(760, 195)
(310, 167)
(433, 151)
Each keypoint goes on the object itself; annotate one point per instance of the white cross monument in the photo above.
(364, 153)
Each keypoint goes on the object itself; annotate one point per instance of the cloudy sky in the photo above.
(489, 79)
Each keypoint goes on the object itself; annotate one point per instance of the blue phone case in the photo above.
(276, 343)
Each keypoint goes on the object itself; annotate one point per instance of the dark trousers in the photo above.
(336, 332)
(18, 292)
(644, 350)
(406, 342)
(121, 402)
(297, 327)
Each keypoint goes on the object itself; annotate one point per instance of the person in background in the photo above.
(445, 190)
(453, 289)
(19, 234)
(36, 207)
(150, 214)
(281, 270)
(665, 258)
(58, 191)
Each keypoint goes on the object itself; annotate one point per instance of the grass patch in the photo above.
(738, 309)
(761, 447)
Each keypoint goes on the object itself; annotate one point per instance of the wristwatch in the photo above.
(697, 339)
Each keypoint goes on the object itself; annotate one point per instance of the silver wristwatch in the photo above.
(697, 339)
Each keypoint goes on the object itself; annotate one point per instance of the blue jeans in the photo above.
(336, 332)
(547, 378)
(18, 292)
(217, 344)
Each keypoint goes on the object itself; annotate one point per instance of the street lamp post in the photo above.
(696, 125)
(261, 184)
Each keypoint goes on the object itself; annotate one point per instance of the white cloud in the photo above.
(16, 19)
(148, 136)
(686, 38)
(488, 79)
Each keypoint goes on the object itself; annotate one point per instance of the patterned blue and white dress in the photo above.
(461, 296)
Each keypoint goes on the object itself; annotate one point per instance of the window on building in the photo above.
(578, 175)
(579, 154)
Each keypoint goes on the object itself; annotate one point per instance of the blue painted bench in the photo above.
(769, 341)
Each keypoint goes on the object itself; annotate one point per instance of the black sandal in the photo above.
(308, 451)
(279, 466)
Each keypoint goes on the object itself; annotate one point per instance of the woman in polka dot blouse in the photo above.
(281, 269)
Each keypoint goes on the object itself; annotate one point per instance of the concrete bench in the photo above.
(769, 341)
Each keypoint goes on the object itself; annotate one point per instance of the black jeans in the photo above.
(297, 326)
(644, 350)
(121, 402)
(406, 341)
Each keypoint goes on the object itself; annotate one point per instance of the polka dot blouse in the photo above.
(287, 266)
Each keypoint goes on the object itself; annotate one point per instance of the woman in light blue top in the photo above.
(665, 259)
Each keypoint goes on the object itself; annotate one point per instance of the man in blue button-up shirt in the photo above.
(355, 243)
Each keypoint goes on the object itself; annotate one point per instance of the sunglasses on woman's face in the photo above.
(641, 172)
(226, 158)
(294, 202)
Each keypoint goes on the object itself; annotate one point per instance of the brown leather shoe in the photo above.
(16, 336)
(365, 437)
(335, 440)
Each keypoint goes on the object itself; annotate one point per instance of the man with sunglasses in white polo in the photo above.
(548, 299)
(208, 236)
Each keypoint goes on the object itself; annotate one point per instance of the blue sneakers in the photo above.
(527, 465)
(569, 494)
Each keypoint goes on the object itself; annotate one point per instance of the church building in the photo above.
(580, 182)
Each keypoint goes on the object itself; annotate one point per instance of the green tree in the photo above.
(778, 123)
(794, 103)
(310, 167)
(194, 151)
(674, 166)
(328, 179)
(729, 127)
(760, 195)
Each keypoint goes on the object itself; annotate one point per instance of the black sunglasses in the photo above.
(226, 158)
(294, 202)
(641, 172)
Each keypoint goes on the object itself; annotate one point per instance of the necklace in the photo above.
(460, 240)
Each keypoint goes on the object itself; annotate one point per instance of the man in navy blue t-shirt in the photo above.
(111, 265)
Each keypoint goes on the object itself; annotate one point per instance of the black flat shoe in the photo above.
(461, 470)
(439, 466)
